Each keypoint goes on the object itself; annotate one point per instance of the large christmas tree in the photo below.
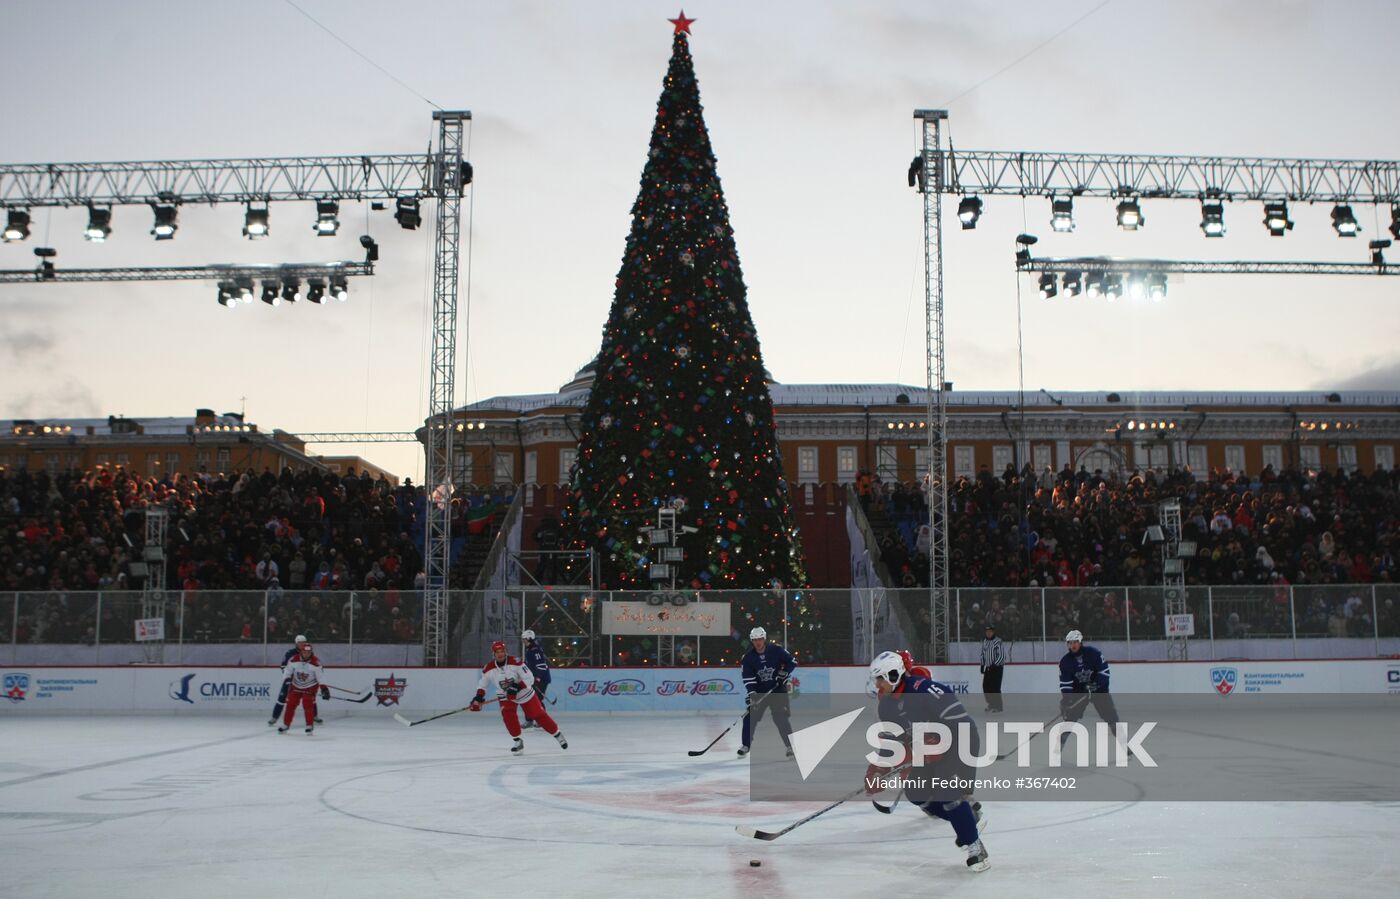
(679, 415)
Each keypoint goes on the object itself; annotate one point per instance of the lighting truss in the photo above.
(287, 272)
(1026, 173)
(359, 437)
(1110, 265)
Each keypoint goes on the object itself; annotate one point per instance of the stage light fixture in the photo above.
(1130, 215)
(165, 225)
(1047, 286)
(407, 214)
(1213, 218)
(316, 290)
(244, 286)
(1093, 284)
(1378, 248)
(291, 290)
(327, 218)
(1276, 219)
(1113, 287)
(16, 225)
(99, 226)
(228, 294)
(1062, 215)
(255, 222)
(1137, 287)
(371, 248)
(340, 288)
(969, 211)
(271, 294)
(1072, 285)
(1395, 221)
(1157, 288)
(1344, 221)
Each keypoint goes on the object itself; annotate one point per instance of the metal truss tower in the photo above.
(1173, 574)
(930, 178)
(153, 555)
(449, 181)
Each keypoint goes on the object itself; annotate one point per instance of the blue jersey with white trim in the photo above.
(943, 705)
(1080, 669)
(767, 671)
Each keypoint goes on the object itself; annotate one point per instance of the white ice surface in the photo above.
(215, 806)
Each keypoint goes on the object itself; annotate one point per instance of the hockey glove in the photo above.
(325, 692)
(476, 701)
(512, 688)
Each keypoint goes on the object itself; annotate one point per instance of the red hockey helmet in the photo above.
(498, 646)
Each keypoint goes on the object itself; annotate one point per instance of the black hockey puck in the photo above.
(754, 863)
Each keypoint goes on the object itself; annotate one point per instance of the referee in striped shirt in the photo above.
(993, 662)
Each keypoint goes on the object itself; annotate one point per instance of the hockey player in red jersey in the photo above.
(514, 685)
(305, 673)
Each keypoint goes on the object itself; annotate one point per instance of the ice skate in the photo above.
(563, 743)
(271, 721)
(282, 728)
(743, 751)
(977, 857)
(318, 720)
(518, 746)
(790, 753)
(310, 728)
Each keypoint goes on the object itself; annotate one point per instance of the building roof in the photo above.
(106, 427)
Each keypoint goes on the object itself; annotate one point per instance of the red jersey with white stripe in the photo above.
(306, 674)
(511, 671)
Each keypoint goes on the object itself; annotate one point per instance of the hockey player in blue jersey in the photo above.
(1084, 671)
(538, 664)
(287, 685)
(907, 698)
(766, 669)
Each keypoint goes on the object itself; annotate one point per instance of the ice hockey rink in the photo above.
(157, 805)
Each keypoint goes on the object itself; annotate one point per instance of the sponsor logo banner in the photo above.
(16, 686)
(389, 690)
(193, 689)
(1224, 680)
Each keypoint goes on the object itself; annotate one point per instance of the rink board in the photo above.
(200, 690)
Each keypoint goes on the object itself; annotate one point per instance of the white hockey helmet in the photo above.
(528, 635)
(301, 638)
(1074, 637)
(758, 633)
(888, 666)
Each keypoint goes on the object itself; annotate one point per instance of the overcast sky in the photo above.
(809, 106)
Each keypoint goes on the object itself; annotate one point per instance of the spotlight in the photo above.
(1072, 286)
(255, 222)
(165, 226)
(969, 211)
(1130, 215)
(1062, 215)
(371, 248)
(406, 213)
(1137, 287)
(1093, 284)
(1378, 248)
(316, 290)
(327, 218)
(99, 226)
(1344, 221)
(1395, 221)
(271, 295)
(244, 286)
(1157, 287)
(16, 226)
(1113, 287)
(1047, 286)
(228, 294)
(340, 288)
(1276, 219)
(291, 290)
(1213, 218)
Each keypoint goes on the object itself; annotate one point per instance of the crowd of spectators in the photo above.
(1083, 533)
(300, 542)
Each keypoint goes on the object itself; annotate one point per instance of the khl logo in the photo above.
(16, 685)
(1224, 680)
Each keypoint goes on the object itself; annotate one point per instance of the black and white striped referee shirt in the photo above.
(993, 653)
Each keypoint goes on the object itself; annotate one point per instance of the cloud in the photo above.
(67, 399)
(1378, 377)
(27, 344)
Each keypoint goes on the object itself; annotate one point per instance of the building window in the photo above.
(75, 461)
(172, 463)
(920, 462)
(964, 464)
(1273, 455)
(532, 467)
(1002, 456)
(1234, 459)
(1040, 453)
(1385, 458)
(1346, 457)
(51, 462)
(886, 463)
(462, 463)
(153, 465)
(806, 465)
(566, 464)
(1196, 459)
(202, 460)
(846, 464)
(103, 460)
(505, 468)
(1310, 457)
(123, 459)
(224, 458)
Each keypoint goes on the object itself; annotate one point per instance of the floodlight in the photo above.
(99, 226)
(16, 225)
(1213, 218)
(1062, 215)
(1276, 219)
(1130, 215)
(1344, 221)
(327, 218)
(255, 222)
(969, 211)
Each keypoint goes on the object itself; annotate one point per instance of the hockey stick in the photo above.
(737, 721)
(886, 809)
(1049, 724)
(745, 830)
(364, 698)
(406, 723)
